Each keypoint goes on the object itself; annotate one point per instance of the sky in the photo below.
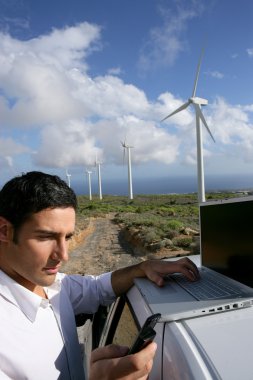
(79, 77)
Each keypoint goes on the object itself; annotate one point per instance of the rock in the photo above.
(189, 231)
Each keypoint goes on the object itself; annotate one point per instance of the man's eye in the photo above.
(45, 237)
(69, 237)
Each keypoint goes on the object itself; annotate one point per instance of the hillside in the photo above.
(151, 223)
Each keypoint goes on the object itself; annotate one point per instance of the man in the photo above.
(38, 304)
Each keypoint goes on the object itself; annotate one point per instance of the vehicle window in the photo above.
(126, 330)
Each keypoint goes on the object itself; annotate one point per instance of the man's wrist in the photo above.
(123, 279)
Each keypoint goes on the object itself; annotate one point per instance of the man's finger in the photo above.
(108, 352)
(139, 363)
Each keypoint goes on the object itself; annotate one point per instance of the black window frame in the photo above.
(113, 318)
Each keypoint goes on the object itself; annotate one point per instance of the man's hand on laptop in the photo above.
(156, 270)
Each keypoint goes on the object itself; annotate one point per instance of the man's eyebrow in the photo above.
(45, 231)
(70, 234)
(52, 233)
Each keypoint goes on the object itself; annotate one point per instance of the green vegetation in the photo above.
(155, 221)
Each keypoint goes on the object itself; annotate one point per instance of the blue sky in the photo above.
(77, 77)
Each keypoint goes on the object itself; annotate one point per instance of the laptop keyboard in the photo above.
(208, 288)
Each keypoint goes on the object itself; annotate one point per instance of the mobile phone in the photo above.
(146, 334)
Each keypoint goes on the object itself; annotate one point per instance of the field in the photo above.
(153, 222)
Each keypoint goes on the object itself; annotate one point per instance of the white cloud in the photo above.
(70, 143)
(66, 48)
(76, 143)
(45, 88)
(168, 104)
(150, 142)
(36, 75)
(250, 52)
(215, 74)
(110, 97)
(230, 122)
(9, 147)
(233, 129)
(115, 71)
(248, 108)
(166, 42)
(10, 150)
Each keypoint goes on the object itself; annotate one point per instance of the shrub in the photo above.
(174, 224)
(149, 235)
(170, 234)
(183, 242)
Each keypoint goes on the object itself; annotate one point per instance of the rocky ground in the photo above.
(99, 247)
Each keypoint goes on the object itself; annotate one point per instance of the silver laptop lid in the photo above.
(226, 237)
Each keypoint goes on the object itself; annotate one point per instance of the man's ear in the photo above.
(6, 230)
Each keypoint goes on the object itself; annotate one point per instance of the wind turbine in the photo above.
(197, 103)
(130, 185)
(68, 175)
(97, 165)
(89, 183)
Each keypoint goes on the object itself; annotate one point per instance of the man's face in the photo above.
(42, 244)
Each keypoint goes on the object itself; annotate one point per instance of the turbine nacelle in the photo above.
(97, 162)
(124, 145)
(199, 101)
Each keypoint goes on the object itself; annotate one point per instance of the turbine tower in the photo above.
(68, 175)
(130, 185)
(197, 103)
(97, 165)
(89, 183)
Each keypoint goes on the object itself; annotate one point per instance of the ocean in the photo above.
(168, 185)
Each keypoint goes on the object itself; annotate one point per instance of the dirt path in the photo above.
(101, 250)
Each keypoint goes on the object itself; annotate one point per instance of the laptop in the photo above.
(225, 264)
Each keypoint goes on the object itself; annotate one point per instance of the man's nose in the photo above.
(61, 250)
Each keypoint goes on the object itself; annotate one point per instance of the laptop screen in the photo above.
(226, 230)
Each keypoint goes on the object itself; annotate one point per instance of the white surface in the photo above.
(182, 359)
(226, 340)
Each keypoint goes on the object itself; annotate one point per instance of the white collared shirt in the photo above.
(38, 338)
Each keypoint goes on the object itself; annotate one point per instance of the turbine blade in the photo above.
(181, 108)
(197, 73)
(124, 156)
(123, 143)
(201, 116)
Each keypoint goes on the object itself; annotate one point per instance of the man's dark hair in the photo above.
(32, 192)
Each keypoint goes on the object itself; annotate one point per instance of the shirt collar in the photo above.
(27, 301)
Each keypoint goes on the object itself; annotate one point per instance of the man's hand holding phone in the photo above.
(112, 361)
